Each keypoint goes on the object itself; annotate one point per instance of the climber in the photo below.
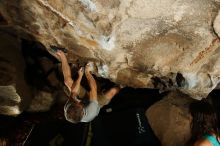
(75, 110)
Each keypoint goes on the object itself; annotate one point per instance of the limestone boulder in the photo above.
(170, 119)
(165, 44)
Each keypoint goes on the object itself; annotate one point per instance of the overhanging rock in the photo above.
(169, 44)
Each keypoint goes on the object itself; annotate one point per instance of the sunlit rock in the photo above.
(169, 44)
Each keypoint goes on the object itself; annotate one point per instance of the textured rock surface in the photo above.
(165, 44)
(41, 102)
(23, 83)
(9, 101)
(170, 119)
(15, 94)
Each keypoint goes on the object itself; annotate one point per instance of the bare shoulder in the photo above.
(203, 142)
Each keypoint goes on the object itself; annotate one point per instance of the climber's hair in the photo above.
(204, 120)
(73, 110)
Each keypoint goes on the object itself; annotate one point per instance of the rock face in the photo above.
(28, 78)
(165, 44)
(15, 93)
(170, 119)
(10, 101)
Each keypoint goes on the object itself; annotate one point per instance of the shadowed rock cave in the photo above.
(164, 53)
